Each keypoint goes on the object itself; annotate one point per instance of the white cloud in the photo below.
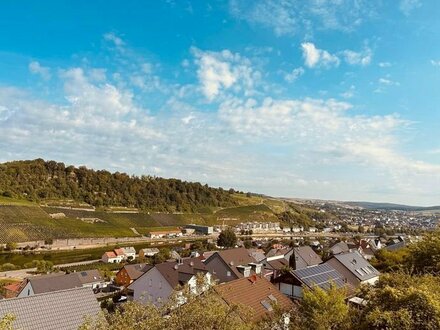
(324, 127)
(289, 17)
(36, 68)
(112, 37)
(358, 58)
(314, 57)
(220, 71)
(384, 64)
(435, 63)
(388, 82)
(294, 74)
(408, 6)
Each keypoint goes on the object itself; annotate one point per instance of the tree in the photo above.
(324, 310)
(6, 322)
(11, 246)
(400, 301)
(247, 243)
(227, 238)
(424, 255)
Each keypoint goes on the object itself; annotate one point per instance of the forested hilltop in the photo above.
(39, 180)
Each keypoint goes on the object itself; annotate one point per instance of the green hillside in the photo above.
(41, 200)
(40, 181)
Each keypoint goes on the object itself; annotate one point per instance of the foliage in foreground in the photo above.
(404, 302)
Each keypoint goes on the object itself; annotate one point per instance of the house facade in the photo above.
(158, 283)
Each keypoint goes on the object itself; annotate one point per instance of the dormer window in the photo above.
(228, 273)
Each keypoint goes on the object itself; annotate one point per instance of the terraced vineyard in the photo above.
(21, 222)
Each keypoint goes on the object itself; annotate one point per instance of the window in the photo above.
(267, 305)
(228, 273)
(150, 282)
(160, 285)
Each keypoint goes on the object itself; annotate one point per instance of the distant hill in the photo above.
(391, 206)
(39, 180)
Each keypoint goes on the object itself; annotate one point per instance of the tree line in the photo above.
(39, 180)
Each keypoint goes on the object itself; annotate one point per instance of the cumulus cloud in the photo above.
(36, 68)
(358, 58)
(220, 71)
(435, 63)
(315, 57)
(325, 127)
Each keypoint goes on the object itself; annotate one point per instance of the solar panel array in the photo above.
(321, 275)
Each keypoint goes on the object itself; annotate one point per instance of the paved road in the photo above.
(22, 273)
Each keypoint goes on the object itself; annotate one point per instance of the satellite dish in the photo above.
(176, 266)
(231, 263)
(191, 264)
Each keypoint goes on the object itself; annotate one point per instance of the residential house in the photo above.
(129, 253)
(396, 244)
(302, 257)
(257, 254)
(340, 247)
(56, 282)
(149, 252)
(231, 264)
(65, 309)
(119, 255)
(274, 266)
(129, 273)
(355, 269)
(111, 257)
(256, 293)
(12, 290)
(365, 249)
(293, 283)
(158, 283)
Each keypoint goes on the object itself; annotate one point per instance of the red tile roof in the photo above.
(110, 254)
(254, 292)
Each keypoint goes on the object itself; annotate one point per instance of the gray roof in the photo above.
(357, 265)
(56, 282)
(51, 311)
(304, 256)
(320, 275)
(339, 247)
(49, 283)
(89, 276)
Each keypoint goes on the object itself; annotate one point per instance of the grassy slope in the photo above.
(23, 221)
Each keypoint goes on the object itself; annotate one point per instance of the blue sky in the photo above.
(332, 99)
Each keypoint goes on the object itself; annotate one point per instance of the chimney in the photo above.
(245, 270)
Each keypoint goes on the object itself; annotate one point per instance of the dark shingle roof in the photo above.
(56, 282)
(234, 258)
(339, 247)
(135, 271)
(357, 265)
(171, 270)
(305, 257)
(51, 311)
(89, 276)
(321, 275)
